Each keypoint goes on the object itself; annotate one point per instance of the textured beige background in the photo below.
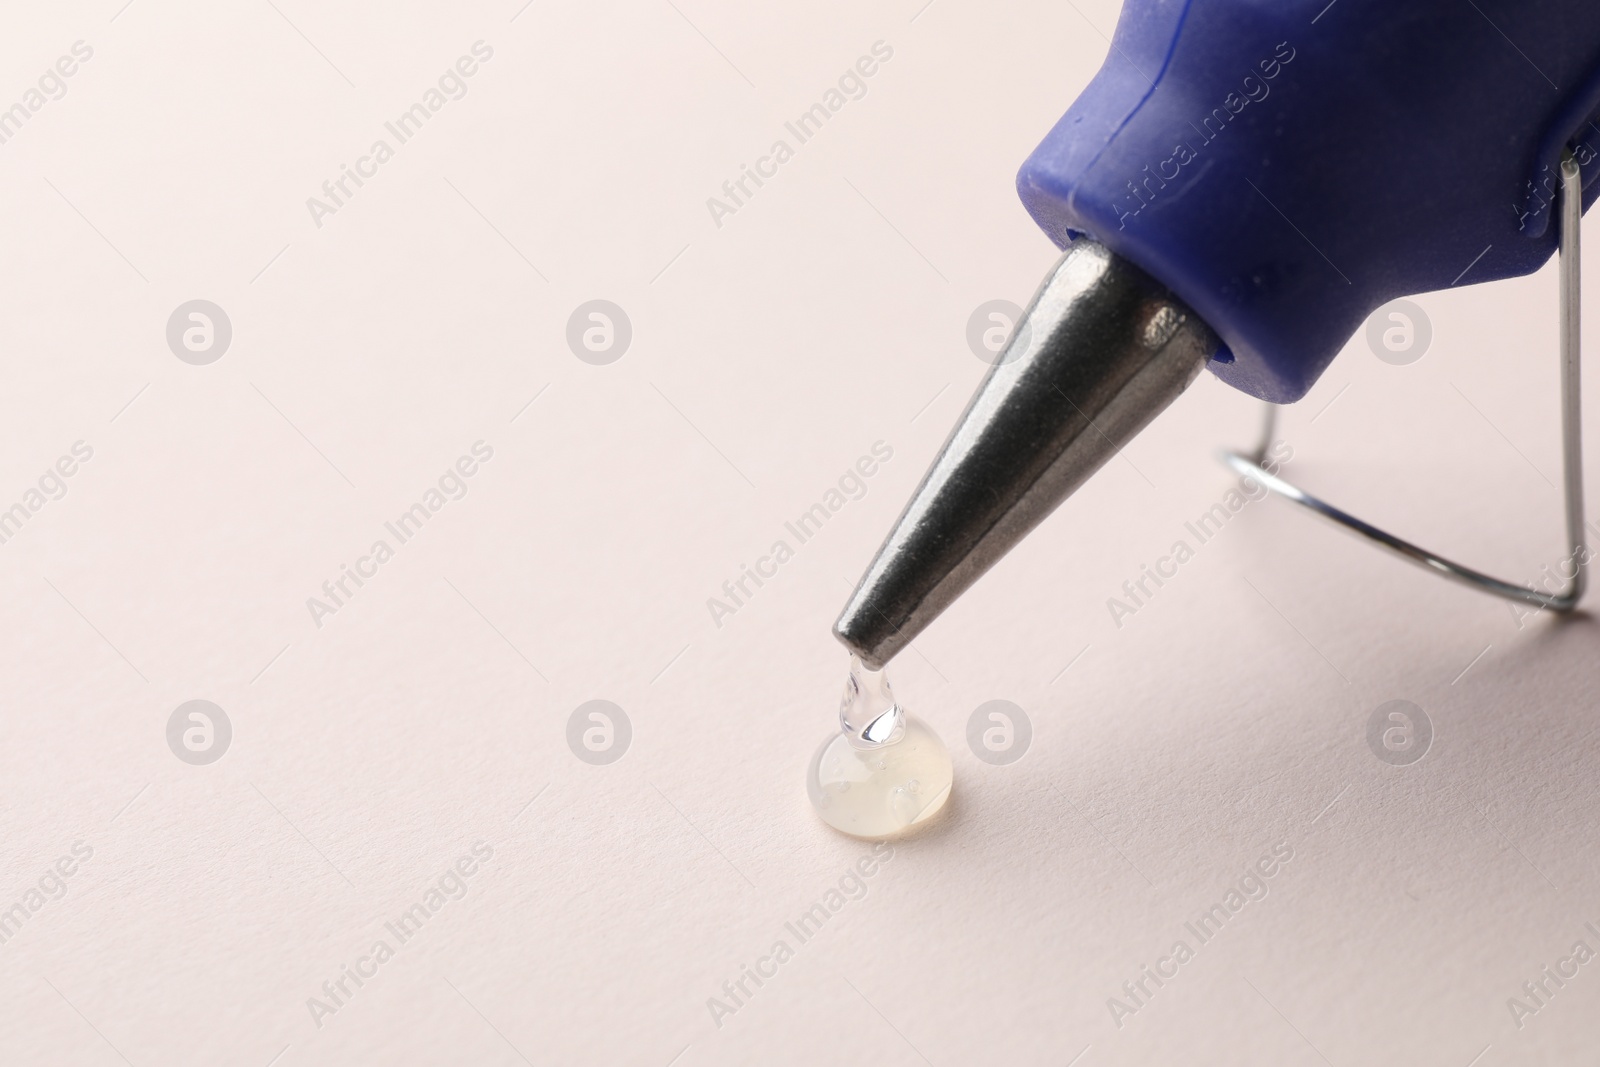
(429, 714)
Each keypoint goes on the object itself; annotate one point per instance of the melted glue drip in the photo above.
(885, 771)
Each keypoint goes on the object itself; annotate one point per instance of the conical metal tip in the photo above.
(1102, 349)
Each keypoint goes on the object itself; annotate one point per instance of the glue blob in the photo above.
(885, 771)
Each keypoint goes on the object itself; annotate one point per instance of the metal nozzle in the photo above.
(1102, 349)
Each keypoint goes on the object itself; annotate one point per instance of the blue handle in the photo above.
(1288, 166)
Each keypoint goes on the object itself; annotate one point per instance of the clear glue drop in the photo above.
(885, 771)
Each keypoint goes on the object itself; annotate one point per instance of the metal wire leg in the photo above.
(1571, 446)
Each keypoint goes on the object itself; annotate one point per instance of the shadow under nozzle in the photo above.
(1101, 350)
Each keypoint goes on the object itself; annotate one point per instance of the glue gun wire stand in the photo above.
(1567, 597)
